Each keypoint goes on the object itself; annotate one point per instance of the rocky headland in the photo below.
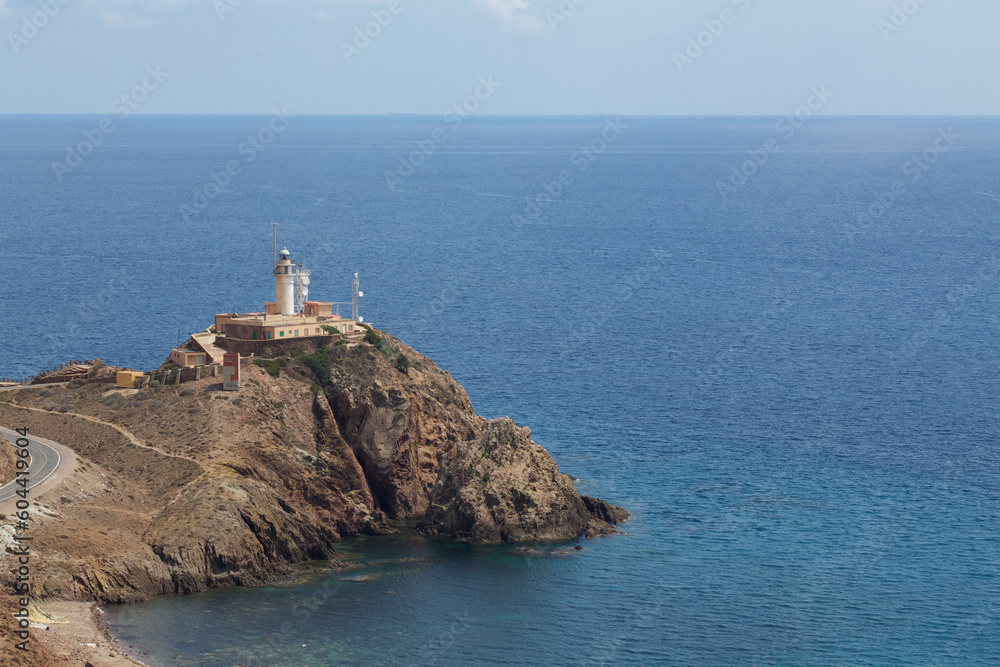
(184, 487)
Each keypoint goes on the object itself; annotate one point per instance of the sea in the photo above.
(773, 340)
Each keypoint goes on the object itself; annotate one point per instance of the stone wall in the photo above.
(263, 348)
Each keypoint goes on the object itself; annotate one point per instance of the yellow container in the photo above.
(127, 379)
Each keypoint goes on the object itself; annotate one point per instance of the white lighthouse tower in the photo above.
(284, 278)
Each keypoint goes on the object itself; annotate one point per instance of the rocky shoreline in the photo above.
(183, 488)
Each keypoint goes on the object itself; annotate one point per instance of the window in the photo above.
(267, 335)
(317, 331)
(255, 335)
(281, 333)
(296, 333)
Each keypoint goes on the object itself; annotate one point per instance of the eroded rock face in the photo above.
(503, 487)
(399, 424)
(206, 488)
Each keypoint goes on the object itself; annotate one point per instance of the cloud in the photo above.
(3, 8)
(515, 14)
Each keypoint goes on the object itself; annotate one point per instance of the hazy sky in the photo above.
(544, 56)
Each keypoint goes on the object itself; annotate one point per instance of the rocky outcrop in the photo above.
(400, 424)
(504, 487)
(185, 487)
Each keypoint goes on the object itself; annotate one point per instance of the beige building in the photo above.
(183, 357)
(271, 326)
(291, 315)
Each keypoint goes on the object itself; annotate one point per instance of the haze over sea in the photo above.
(801, 409)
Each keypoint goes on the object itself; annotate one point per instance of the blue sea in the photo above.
(775, 344)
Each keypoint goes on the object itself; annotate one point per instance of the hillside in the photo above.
(186, 487)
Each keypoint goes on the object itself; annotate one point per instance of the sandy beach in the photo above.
(75, 634)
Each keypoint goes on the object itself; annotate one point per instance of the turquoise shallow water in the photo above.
(803, 420)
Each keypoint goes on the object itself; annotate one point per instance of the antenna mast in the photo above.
(354, 299)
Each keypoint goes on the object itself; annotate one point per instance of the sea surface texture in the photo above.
(790, 378)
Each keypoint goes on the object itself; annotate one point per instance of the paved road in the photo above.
(44, 462)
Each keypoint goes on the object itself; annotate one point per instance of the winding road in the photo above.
(45, 460)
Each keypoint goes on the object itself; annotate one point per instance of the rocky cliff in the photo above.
(504, 487)
(185, 487)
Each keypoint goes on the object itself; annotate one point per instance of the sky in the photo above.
(627, 57)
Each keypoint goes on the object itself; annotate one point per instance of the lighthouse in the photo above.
(292, 314)
(284, 279)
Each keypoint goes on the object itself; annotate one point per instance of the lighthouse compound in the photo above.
(292, 315)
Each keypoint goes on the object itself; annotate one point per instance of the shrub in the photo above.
(402, 364)
(271, 366)
(374, 339)
(319, 363)
(381, 344)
